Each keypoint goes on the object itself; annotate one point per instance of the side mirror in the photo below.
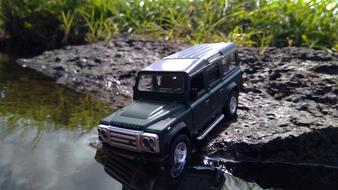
(193, 94)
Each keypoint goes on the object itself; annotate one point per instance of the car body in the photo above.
(183, 95)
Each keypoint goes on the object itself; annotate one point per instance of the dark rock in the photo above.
(327, 69)
(57, 59)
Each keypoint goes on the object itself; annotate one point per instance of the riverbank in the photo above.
(287, 110)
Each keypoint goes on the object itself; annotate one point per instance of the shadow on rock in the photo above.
(284, 175)
(316, 146)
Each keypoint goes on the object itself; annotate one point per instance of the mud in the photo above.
(287, 109)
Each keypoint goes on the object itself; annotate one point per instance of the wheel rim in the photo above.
(233, 104)
(180, 155)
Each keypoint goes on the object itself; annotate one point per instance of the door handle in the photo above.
(221, 90)
(207, 101)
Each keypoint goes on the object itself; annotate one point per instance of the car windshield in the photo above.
(161, 83)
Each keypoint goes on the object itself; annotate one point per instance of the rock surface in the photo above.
(287, 109)
(105, 71)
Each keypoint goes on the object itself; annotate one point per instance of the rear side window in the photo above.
(213, 73)
(232, 61)
(229, 63)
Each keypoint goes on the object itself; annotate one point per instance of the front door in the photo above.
(201, 104)
(201, 110)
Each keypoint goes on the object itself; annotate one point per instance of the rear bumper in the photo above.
(137, 156)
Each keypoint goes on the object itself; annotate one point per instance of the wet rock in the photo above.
(287, 109)
(113, 66)
(327, 69)
(293, 118)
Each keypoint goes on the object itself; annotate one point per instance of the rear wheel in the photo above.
(179, 155)
(231, 105)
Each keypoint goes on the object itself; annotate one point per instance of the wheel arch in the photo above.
(177, 129)
(231, 87)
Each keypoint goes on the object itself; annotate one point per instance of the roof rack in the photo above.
(192, 59)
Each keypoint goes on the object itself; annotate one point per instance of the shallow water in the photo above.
(48, 141)
(44, 132)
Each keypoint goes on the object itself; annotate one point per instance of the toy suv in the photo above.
(177, 101)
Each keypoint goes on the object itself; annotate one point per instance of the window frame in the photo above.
(156, 75)
(226, 56)
(215, 82)
(139, 93)
(203, 91)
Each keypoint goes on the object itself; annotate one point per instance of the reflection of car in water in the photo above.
(137, 175)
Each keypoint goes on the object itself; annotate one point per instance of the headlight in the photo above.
(150, 143)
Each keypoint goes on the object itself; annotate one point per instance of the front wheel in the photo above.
(231, 105)
(179, 155)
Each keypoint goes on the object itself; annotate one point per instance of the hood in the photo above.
(140, 114)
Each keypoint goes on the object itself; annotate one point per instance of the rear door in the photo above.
(229, 72)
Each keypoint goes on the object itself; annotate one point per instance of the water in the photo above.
(48, 141)
(44, 132)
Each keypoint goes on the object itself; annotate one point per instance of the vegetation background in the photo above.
(47, 24)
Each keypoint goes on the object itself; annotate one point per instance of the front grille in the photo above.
(120, 138)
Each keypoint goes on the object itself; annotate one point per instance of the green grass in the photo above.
(261, 23)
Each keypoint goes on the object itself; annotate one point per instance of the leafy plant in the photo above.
(261, 23)
(68, 20)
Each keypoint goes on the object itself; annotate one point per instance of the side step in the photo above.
(213, 125)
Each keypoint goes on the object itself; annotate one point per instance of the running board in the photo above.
(213, 125)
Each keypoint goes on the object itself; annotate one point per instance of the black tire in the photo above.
(175, 170)
(229, 111)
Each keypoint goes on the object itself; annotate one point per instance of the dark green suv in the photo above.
(178, 100)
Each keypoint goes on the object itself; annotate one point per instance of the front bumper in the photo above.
(132, 140)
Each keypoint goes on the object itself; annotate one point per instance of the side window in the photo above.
(229, 63)
(197, 83)
(213, 73)
(232, 61)
(225, 65)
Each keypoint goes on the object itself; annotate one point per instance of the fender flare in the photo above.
(174, 131)
(229, 88)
